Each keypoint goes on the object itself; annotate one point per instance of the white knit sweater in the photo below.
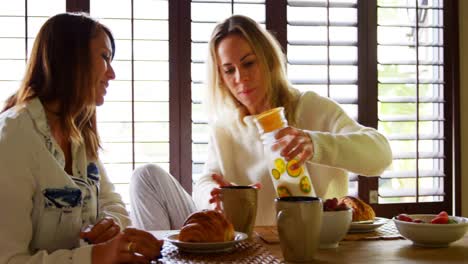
(340, 145)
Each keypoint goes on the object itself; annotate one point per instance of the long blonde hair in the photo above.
(272, 62)
(60, 70)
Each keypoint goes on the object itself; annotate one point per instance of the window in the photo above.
(134, 121)
(413, 94)
(411, 99)
(387, 62)
(19, 23)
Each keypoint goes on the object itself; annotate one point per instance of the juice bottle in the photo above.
(287, 182)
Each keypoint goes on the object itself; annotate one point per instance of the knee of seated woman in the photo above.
(149, 172)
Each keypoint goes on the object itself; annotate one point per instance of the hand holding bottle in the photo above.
(294, 143)
(286, 150)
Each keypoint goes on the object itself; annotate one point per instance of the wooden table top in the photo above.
(387, 251)
(379, 251)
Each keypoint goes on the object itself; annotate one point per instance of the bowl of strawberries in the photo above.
(429, 230)
(336, 220)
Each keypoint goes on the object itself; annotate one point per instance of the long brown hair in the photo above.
(272, 62)
(60, 70)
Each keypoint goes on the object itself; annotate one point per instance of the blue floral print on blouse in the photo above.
(93, 172)
(65, 197)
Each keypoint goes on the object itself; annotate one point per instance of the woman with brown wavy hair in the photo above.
(55, 189)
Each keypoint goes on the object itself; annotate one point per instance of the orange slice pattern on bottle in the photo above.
(276, 174)
(283, 191)
(280, 165)
(305, 185)
(293, 173)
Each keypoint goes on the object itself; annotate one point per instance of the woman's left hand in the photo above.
(102, 231)
(294, 144)
(216, 192)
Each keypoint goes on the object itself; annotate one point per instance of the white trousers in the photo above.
(158, 200)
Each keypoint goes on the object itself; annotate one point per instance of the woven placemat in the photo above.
(249, 251)
(387, 231)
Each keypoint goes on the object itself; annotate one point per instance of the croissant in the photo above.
(206, 226)
(361, 210)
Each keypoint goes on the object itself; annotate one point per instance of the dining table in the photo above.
(352, 249)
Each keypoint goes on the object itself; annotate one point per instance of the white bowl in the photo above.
(432, 235)
(335, 225)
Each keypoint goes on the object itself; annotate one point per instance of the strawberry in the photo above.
(330, 204)
(418, 221)
(341, 207)
(443, 214)
(440, 220)
(404, 217)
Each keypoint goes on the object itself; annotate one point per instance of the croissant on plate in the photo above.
(361, 210)
(206, 226)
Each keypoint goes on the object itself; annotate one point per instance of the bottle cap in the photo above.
(271, 120)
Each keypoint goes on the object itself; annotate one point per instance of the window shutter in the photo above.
(134, 120)
(19, 23)
(205, 16)
(411, 99)
(322, 52)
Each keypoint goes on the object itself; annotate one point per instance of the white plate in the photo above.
(193, 247)
(362, 228)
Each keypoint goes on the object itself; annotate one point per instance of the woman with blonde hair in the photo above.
(54, 187)
(246, 76)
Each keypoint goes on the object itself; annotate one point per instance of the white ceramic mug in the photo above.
(239, 205)
(299, 220)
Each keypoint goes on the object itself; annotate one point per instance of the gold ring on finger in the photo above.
(130, 247)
